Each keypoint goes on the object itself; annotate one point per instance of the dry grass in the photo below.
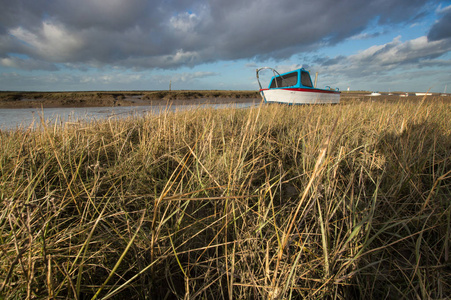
(345, 201)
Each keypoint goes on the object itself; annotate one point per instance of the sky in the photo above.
(86, 45)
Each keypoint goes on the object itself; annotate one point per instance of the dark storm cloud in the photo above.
(442, 29)
(142, 34)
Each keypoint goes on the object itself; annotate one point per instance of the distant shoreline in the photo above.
(114, 99)
(158, 98)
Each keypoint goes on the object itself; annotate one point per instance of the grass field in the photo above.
(349, 201)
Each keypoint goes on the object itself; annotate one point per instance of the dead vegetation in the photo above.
(272, 202)
(110, 99)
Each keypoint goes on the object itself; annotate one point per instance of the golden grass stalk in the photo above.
(348, 201)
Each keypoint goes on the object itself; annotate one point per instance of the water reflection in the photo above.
(26, 117)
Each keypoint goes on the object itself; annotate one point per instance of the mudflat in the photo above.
(162, 98)
(132, 98)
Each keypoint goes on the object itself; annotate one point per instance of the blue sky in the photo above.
(82, 45)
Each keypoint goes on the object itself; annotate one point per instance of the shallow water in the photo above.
(33, 117)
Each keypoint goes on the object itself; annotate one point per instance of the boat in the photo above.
(374, 94)
(295, 87)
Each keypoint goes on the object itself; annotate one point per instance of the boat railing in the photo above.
(273, 71)
(331, 89)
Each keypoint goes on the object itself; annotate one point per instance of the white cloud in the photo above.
(52, 42)
(443, 10)
(184, 22)
(395, 64)
(397, 52)
(27, 64)
(186, 77)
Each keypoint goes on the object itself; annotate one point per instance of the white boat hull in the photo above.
(300, 96)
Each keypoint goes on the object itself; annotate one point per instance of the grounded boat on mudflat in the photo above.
(296, 87)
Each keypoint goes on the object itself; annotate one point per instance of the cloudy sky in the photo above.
(378, 45)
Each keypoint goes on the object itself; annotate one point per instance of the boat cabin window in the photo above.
(285, 80)
(305, 79)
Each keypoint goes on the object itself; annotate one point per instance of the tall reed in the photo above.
(345, 201)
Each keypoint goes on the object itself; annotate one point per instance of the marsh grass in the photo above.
(123, 98)
(345, 201)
